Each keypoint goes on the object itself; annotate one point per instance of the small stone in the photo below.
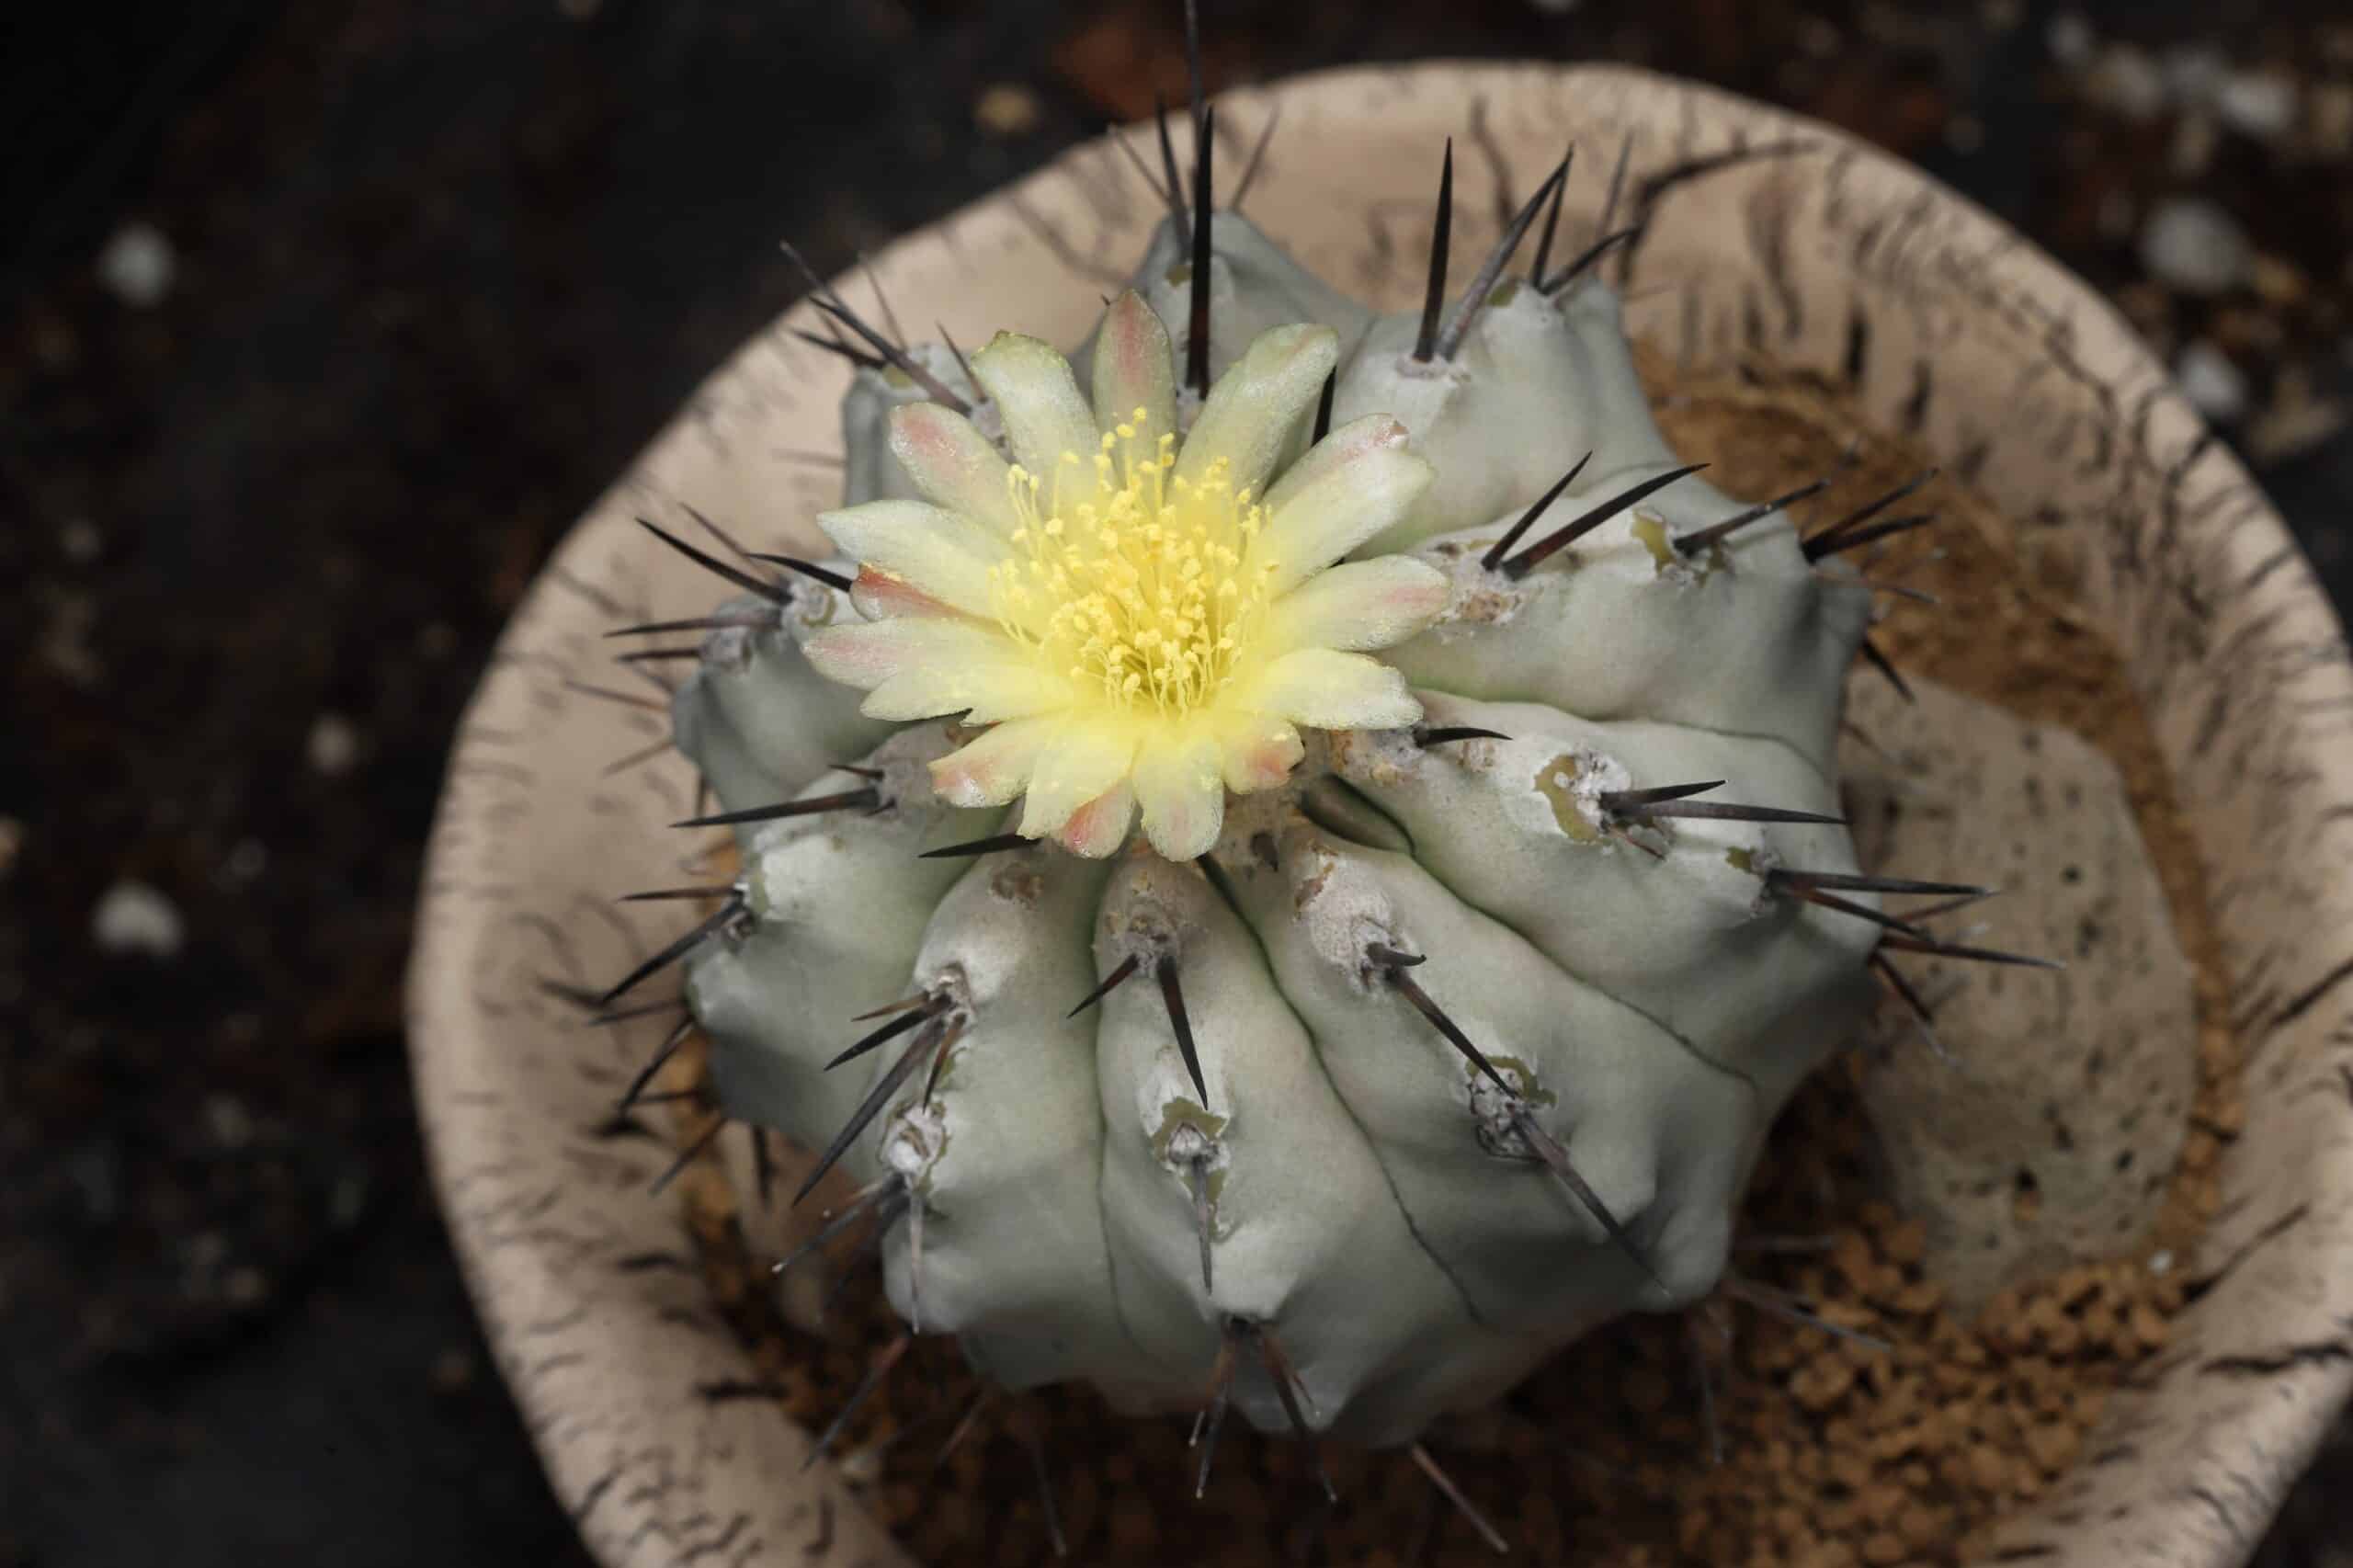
(249, 858)
(137, 265)
(2128, 81)
(132, 917)
(2296, 420)
(2194, 74)
(96, 1171)
(2213, 385)
(2070, 38)
(2278, 281)
(347, 1200)
(2192, 245)
(2331, 121)
(2195, 137)
(231, 1124)
(80, 539)
(1007, 109)
(333, 745)
(2054, 1448)
(2260, 104)
(1822, 1381)
(246, 1287)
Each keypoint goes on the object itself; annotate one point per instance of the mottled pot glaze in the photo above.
(1940, 322)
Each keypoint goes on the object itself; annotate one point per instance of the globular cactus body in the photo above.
(1411, 1029)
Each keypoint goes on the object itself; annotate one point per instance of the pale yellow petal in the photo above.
(864, 654)
(985, 692)
(1253, 408)
(1134, 367)
(936, 550)
(1329, 690)
(954, 465)
(1181, 785)
(1082, 762)
(1259, 753)
(1374, 432)
(1358, 606)
(1038, 400)
(1337, 512)
(1100, 827)
(994, 768)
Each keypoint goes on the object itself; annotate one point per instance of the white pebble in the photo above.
(231, 1125)
(2213, 385)
(137, 265)
(2128, 81)
(333, 746)
(249, 859)
(2261, 104)
(2192, 245)
(2194, 74)
(134, 918)
(2070, 37)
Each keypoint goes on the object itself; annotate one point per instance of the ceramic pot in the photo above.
(1937, 322)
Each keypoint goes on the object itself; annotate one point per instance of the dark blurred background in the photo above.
(324, 321)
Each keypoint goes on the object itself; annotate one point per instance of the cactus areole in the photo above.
(1293, 860)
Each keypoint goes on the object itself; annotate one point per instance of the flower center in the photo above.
(1131, 580)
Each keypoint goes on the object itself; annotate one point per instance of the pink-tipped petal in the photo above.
(955, 466)
(939, 552)
(994, 768)
(1374, 432)
(1329, 690)
(1180, 783)
(1253, 410)
(1038, 400)
(883, 595)
(1134, 367)
(1100, 827)
(1082, 762)
(1261, 754)
(1358, 606)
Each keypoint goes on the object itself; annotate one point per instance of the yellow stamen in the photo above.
(1143, 595)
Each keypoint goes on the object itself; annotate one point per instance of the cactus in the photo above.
(1333, 902)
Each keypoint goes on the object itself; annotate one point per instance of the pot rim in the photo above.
(2231, 644)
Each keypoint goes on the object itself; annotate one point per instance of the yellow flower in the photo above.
(1146, 621)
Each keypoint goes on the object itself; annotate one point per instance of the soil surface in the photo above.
(322, 322)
